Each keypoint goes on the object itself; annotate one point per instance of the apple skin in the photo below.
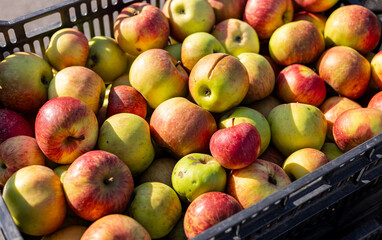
(67, 47)
(106, 58)
(376, 69)
(154, 203)
(96, 184)
(116, 226)
(245, 114)
(353, 26)
(331, 150)
(18, 152)
(81, 83)
(296, 42)
(197, 173)
(319, 20)
(126, 99)
(304, 161)
(225, 9)
(376, 101)
(303, 123)
(345, 70)
(24, 81)
(175, 50)
(261, 76)
(265, 106)
(266, 16)
(197, 45)
(208, 210)
(182, 127)
(73, 232)
(187, 17)
(140, 27)
(13, 124)
(355, 126)
(160, 170)
(273, 155)
(299, 83)
(128, 136)
(315, 5)
(164, 79)
(237, 36)
(35, 200)
(65, 129)
(61, 171)
(218, 82)
(257, 181)
(332, 107)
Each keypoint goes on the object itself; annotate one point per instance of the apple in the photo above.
(96, 184)
(345, 70)
(237, 36)
(35, 200)
(318, 19)
(156, 207)
(116, 226)
(121, 80)
(67, 47)
(160, 170)
(18, 152)
(295, 126)
(304, 161)
(101, 114)
(175, 50)
(332, 107)
(140, 27)
(24, 81)
(197, 45)
(81, 83)
(355, 126)
(177, 233)
(73, 232)
(126, 99)
(265, 106)
(376, 101)
(266, 16)
(299, 83)
(376, 69)
(158, 76)
(225, 9)
(13, 124)
(218, 82)
(182, 127)
(61, 171)
(245, 114)
(260, 75)
(257, 181)
(331, 150)
(296, 42)
(208, 210)
(353, 26)
(187, 17)
(65, 129)
(197, 173)
(315, 5)
(106, 58)
(271, 154)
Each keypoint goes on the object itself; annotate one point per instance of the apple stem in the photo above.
(109, 180)
(233, 122)
(82, 137)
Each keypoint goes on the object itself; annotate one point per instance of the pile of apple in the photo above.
(190, 114)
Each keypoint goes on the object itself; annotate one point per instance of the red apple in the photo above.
(116, 226)
(237, 146)
(317, 19)
(345, 70)
(208, 210)
(13, 124)
(315, 5)
(355, 126)
(65, 129)
(299, 83)
(126, 99)
(376, 101)
(18, 152)
(225, 9)
(96, 184)
(141, 26)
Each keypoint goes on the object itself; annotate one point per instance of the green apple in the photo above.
(218, 82)
(24, 81)
(175, 50)
(160, 170)
(295, 126)
(106, 58)
(156, 207)
(197, 45)
(128, 136)
(265, 106)
(237, 36)
(187, 17)
(245, 114)
(197, 173)
(61, 171)
(331, 150)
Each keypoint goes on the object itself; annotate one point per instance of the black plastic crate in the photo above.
(340, 200)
